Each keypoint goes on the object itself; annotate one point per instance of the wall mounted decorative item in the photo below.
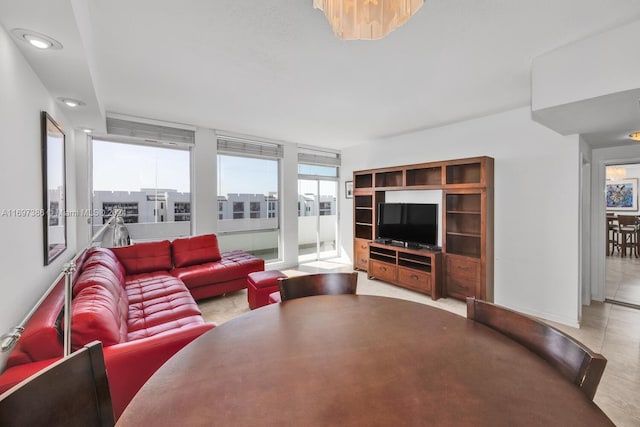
(348, 189)
(53, 188)
(622, 195)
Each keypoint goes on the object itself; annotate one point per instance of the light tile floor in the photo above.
(623, 279)
(612, 330)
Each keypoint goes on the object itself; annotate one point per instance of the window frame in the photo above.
(254, 148)
(170, 145)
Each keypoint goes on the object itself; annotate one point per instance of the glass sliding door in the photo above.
(328, 219)
(317, 219)
(318, 178)
(248, 202)
(248, 207)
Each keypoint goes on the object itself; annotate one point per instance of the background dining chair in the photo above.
(571, 358)
(628, 231)
(71, 392)
(317, 284)
(613, 240)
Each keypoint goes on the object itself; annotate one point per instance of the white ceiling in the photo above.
(274, 69)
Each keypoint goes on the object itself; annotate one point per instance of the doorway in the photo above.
(622, 267)
(317, 219)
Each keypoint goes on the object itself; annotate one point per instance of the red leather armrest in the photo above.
(15, 374)
(131, 364)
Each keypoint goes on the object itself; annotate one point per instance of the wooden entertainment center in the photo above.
(464, 265)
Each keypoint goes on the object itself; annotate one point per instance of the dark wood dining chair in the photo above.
(73, 391)
(628, 231)
(318, 284)
(572, 359)
(613, 240)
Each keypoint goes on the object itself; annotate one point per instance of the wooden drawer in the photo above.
(416, 280)
(463, 268)
(462, 276)
(361, 254)
(460, 289)
(382, 271)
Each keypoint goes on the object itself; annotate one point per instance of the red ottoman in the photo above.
(260, 284)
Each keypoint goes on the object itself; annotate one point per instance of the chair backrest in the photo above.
(571, 358)
(73, 391)
(317, 284)
(626, 220)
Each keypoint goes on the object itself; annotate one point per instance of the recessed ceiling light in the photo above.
(70, 102)
(87, 130)
(635, 136)
(35, 39)
(38, 42)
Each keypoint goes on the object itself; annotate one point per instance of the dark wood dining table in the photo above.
(357, 360)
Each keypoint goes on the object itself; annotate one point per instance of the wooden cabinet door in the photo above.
(361, 254)
(462, 277)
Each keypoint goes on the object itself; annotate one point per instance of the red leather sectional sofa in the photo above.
(139, 301)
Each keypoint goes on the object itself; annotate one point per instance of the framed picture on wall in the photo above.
(348, 189)
(622, 195)
(53, 188)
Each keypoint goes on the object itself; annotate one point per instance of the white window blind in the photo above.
(248, 147)
(116, 126)
(313, 156)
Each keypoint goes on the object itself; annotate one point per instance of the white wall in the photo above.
(603, 64)
(586, 223)
(205, 181)
(22, 97)
(536, 202)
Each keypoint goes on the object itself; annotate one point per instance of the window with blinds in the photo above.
(248, 195)
(147, 131)
(151, 183)
(249, 148)
(314, 163)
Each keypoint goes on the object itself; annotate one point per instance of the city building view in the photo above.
(148, 209)
(151, 185)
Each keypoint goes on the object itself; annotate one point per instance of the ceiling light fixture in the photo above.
(70, 102)
(87, 130)
(35, 39)
(615, 173)
(366, 19)
(635, 136)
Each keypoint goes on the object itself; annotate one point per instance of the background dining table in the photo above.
(357, 360)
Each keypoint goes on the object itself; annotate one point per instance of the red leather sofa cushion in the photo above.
(233, 265)
(158, 302)
(100, 304)
(195, 250)
(101, 256)
(99, 275)
(98, 314)
(145, 257)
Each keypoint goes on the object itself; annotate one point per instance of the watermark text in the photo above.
(39, 213)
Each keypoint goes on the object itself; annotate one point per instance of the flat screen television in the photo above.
(408, 223)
